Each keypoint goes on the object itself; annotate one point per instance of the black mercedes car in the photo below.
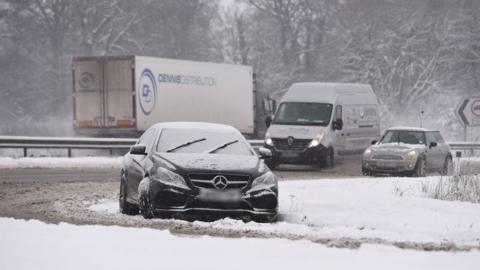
(183, 169)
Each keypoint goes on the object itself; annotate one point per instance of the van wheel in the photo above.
(329, 160)
(272, 163)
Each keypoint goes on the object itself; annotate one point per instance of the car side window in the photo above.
(438, 137)
(148, 138)
(430, 138)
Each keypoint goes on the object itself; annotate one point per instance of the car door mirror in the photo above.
(264, 153)
(268, 121)
(433, 144)
(138, 149)
(337, 124)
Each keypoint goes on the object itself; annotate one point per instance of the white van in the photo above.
(317, 122)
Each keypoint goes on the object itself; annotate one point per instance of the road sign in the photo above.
(468, 111)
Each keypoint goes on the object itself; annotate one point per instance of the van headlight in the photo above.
(317, 140)
(170, 178)
(264, 181)
(268, 140)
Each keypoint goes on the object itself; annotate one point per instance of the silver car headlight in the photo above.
(264, 181)
(411, 155)
(170, 178)
(368, 153)
(317, 140)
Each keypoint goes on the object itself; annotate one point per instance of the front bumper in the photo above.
(172, 200)
(308, 155)
(387, 166)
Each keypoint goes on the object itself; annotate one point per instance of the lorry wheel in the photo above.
(126, 207)
(420, 169)
(366, 172)
(144, 203)
(447, 167)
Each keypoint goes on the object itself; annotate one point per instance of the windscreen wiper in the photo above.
(185, 144)
(220, 147)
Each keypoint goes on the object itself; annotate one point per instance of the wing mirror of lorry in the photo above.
(433, 144)
(268, 121)
(138, 149)
(337, 124)
(264, 153)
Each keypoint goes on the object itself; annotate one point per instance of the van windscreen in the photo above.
(303, 113)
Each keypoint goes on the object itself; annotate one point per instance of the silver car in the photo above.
(408, 151)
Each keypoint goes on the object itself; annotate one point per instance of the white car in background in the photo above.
(408, 151)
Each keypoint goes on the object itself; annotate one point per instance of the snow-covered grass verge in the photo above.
(391, 209)
(36, 245)
(60, 162)
(459, 187)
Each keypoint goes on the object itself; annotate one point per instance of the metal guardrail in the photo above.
(69, 143)
(464, 145)
(465, 148)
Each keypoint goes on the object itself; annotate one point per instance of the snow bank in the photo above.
(35, 245)
(60, 162)
(393, 209)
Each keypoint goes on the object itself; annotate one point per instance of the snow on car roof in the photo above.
(196, 125)
(410, 129)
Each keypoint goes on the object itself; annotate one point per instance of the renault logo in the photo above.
(220, 182)
(290, 141)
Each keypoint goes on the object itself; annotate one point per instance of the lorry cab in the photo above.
(315, 123)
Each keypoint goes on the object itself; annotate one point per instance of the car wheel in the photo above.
(329, 161)
(421, 168)
(447, 167)
(144, 204)
(124, 205)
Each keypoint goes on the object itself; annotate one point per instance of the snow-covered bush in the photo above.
(459, 187)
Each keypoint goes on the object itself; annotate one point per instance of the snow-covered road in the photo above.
(36, 245)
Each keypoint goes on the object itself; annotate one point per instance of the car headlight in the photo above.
(367, 153)
(317, 140)
(264, 181)
(412, 155)
(169, 177)
(268, 140)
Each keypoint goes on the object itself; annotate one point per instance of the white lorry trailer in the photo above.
(124, 95)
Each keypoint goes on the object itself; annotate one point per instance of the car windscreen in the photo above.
(404, 136)
(303, 113)
(202, 141)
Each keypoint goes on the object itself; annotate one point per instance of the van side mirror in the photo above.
(433, 144)
(374, 142)
(268, 121)
(264, 153)
(138, 149)
(337, 124)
